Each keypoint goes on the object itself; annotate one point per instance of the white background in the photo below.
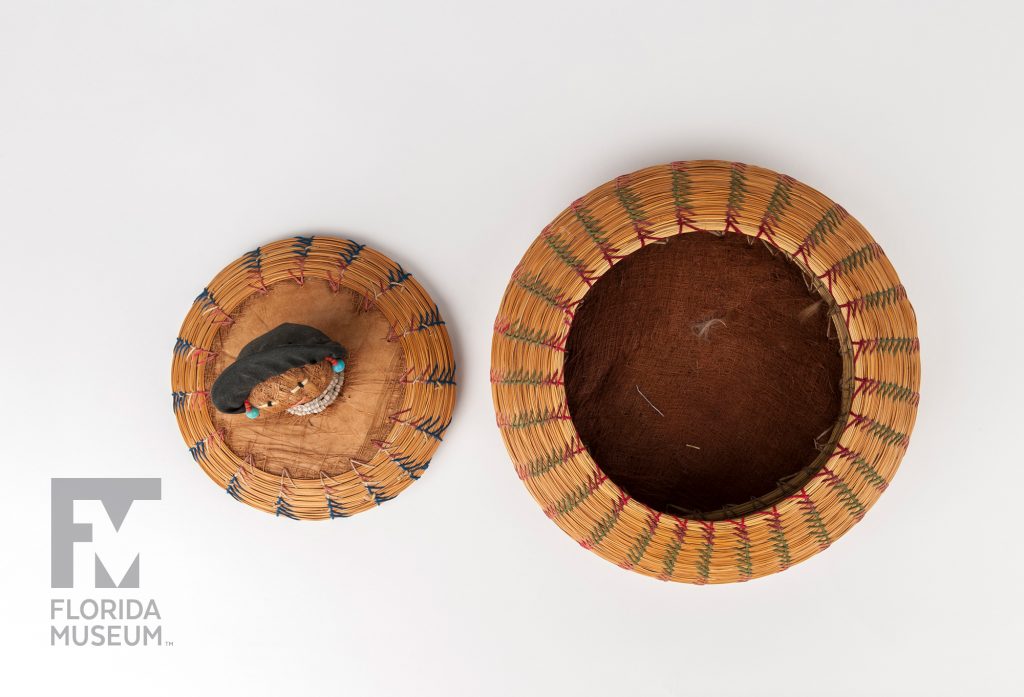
(143, 145)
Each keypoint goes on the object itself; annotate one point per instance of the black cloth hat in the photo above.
(278, 351)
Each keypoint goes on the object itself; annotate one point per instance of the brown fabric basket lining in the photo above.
(705, 376)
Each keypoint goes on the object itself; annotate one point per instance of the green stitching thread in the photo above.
(607, 523)
(534, 378)
(591, 226)
(862, 257)
(672, 551)
(813, 519)
(890, 390)
(869, 473)
(744, 564)
(534, 285)
(603, 528)
(563, 251)
(883, 432)
(828, 224)
(704, 556)
(737, 187)
(899, 393)
(779, 199)
(535, 337)
(630, 203)
(881, 298)
(875, 300)
(529, 336)
(778, 538)
(864, 469)
(546, 463)
(681, 189)
(889, 344)
(845, 493)
(901, 344)
(886, 434)
(636, 552)
(577, 496)
(533, 418)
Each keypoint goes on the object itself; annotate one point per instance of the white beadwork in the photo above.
(326, 398)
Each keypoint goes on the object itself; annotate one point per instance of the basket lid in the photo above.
(302, 302)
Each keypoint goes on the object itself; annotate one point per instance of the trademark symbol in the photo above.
(168, 643)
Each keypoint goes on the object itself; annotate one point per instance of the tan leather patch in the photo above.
(305, 446)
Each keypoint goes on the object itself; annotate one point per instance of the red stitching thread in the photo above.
(871, 386)
(201, 355)
(681, 526)
(301, 278)
(226, 319)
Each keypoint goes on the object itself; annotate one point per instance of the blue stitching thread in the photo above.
(433, 428)
(335, 510)
(431, 318)
(234, 489)
(397, 275)
(438, 377)
(284, 508)
(376, 492)
(351, 251)
(178, 400)
(182, 346)
(302, 244)
(198, 450)
(410, 466)
(253, 260)
(208, 301)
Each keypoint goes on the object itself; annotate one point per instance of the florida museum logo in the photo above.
(95, 620)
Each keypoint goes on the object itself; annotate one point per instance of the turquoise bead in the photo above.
(253, 413)
(339, 365)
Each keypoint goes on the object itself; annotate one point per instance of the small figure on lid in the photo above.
(294, 368)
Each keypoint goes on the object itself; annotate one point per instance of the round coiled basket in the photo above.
(667, 352)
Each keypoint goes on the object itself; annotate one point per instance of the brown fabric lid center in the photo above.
(704, 376)
(305, 447)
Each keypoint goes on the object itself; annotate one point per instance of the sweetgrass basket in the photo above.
(337, 276)
(876, 329)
